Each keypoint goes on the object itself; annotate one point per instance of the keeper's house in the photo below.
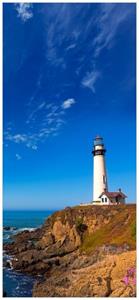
(108, 198)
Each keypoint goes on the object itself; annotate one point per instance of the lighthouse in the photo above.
(99, 177)
(101, 195)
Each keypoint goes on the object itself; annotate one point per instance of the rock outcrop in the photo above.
(8, 228)
(79, 252)
(101, 279)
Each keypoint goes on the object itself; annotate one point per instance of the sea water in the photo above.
(15, 283)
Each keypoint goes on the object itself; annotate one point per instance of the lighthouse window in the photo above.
(105, 199)
(104, 179)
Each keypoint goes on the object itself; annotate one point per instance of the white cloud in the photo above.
(18, 157)
(51, 119)
(26, 139)
(60, 31)
(108, 21)
(90, 79)
(110, 18)
(72, 46)
(34, 113)
(17, 138)
(41, 105)
(68, 103)
(24, 11)
(34, 147)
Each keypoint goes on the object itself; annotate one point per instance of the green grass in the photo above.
(91, 241)
(121, 228)
(117, 232)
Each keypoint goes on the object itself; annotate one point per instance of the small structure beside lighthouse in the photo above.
(101, 195)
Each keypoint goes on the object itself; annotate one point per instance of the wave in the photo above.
(7, 261)
(12, 229)
(6, 237)
(10, 264)
(7, 256)
(25, 228)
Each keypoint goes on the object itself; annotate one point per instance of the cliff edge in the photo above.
(79, 252)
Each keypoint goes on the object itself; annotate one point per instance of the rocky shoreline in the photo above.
(9, 228)
(79, 252)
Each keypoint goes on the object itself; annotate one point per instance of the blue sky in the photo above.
(69, 74)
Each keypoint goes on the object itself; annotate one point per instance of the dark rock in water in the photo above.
(77, 250)
(8, 228)
(7, 264)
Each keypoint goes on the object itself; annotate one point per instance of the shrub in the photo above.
(80, 225)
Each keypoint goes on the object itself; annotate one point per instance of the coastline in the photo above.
(17, 284)
(62, 249)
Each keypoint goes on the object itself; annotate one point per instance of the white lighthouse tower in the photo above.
(100, 177)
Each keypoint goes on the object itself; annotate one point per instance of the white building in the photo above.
(111, 198)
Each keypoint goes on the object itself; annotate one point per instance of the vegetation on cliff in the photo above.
(79, 249)
(119, 231)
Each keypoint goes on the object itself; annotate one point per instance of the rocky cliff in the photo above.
(80, 251)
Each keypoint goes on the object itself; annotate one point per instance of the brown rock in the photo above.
(59, 231)
(80, 251)
(45, 241)
(102, 279)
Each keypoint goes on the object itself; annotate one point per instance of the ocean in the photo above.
(16, 284)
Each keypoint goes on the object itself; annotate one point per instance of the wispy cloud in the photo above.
(63, 30)
(108, 21)
(90, 79)
(111, 16)
(51, 118)
(34, 113)
(24, 11)
(63, 42)
(18, 157)
(68, 103)
(70, 47)
(64, 25)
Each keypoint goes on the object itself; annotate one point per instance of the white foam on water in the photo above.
(6, 237)
(10, 263)
(26, 228)
(8, 257)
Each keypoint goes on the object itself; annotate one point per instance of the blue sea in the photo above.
(15, 283)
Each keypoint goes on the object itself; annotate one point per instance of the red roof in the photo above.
(114, 194)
